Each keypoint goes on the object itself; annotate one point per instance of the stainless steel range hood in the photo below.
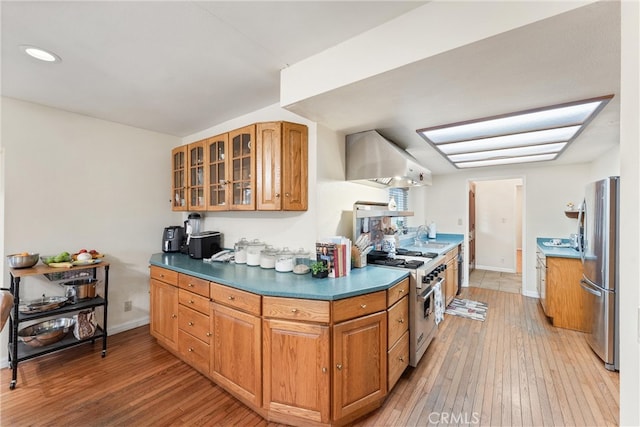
(374, 160)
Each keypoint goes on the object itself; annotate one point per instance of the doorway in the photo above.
(495, 234)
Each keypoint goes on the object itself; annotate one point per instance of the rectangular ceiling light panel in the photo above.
(527, 136)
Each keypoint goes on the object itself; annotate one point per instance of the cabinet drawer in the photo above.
(398, 321)
(451, 254)
(194, 301)
(397, 291)
(194, 284)
(242, 300)
(194, 351)
(164, 275)
(361, 305)
(197, 324)
(398, 360)
(296, 309)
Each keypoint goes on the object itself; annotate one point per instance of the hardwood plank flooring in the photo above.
(512, 369)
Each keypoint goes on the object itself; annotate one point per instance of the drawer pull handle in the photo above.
(363, 306)
(339, 366)
(231, 297)
(190, 323)
(190, 349)
(400, 320)
(294, 310)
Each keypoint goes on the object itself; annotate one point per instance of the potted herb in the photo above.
(319, 269)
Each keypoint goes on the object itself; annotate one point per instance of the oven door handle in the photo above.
(427, 294)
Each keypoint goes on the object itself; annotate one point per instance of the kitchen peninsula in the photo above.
(293, 348)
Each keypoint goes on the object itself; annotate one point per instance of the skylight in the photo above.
(526, 136)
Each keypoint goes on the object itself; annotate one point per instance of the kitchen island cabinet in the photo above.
(302, 361)
(563, 300)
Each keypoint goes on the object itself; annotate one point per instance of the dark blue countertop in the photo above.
(554, 251)
(272, 283)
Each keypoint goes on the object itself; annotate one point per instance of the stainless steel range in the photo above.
(426, 274)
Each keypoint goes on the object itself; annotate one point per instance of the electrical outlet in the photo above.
(127, 306)
(459, 221)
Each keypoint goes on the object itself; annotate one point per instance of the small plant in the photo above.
(318, 267)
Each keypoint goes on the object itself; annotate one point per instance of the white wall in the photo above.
(75, 182)
(546, 191)
(330, 197)
(496, 224)
(629, 208)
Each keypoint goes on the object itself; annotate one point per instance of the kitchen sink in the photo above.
(433, 245)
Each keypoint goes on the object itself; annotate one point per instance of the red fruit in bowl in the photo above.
(82, 251)
(93, 251)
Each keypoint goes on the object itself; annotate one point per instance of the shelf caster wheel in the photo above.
(12, 386)
(104, 353)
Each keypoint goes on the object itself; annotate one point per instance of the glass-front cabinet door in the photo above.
(196, 194)
(218, 189)
(179, 178)
(243, 162)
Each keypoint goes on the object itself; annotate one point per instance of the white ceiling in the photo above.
(181, 67)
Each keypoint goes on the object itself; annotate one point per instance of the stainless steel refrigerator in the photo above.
(598, 231)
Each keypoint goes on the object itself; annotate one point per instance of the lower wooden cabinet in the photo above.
(236, 357)
(164, 313)
(564, 300)
(451, 275)
(360, 364)
(296, 373)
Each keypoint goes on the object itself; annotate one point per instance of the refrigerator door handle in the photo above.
(581, 245)
(589, 288)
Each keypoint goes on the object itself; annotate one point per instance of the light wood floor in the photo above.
(512, 369)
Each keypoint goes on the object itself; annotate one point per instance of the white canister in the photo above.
(253, 252)
(284, 261)
(240, 251)
(268, 257)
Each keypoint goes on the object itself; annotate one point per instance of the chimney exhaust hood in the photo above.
(374, 160)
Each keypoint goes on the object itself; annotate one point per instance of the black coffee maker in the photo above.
(173, 238)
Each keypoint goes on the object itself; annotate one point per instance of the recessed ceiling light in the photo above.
(527, 136)
(41, 54)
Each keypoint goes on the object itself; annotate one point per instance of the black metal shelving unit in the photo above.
(18, 351)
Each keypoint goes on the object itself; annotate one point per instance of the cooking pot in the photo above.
(80, 289)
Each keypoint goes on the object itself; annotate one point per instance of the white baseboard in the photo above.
(502, 270)
(111, 330)
(532, 294)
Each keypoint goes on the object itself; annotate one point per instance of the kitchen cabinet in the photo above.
(236, 350)
(262, 166)
(359, 354)
(194, 328)
(164, 307)
(179, 178)
(451, 275)
(297, 372)
(196, 176)
(397, 331)
(281, 166)
(562, 298)
(19, 351)
(218, 173)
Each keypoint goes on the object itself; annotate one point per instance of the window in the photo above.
(401, 196)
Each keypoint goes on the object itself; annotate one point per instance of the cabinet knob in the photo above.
(190, 301)
(339, 367)
(208, 334)
(162, 276)
(190, 323)
(190, 285)
(173, 316)
(324, 370)
(294, 310)
(287, 195)
(400, 320)
(401, 358)
(190, 349)
(277, 195)
(231, 297)
(401, 290)
(363, 306)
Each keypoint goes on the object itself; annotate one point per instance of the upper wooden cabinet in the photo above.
(196, 176)
(262, 166)
(219, 177)
(282, 166)
(179, 178)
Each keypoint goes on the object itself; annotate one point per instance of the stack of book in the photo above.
(335, 252)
